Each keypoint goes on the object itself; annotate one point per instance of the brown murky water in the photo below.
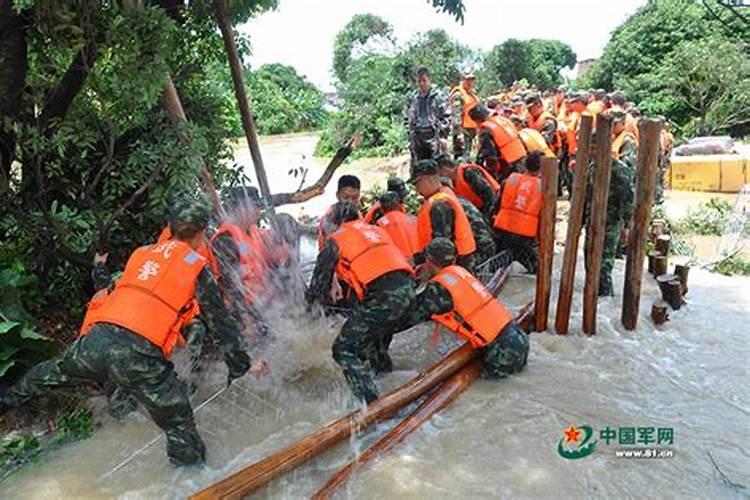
(498, 440)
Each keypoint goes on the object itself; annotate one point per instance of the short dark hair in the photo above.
(389, 201)
(534, 161)
(351, 181)
(182, 230)
(618, 98)
(344, 211)
(479, 113)
(422, 71)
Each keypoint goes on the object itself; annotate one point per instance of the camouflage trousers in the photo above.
(505, 355)
(114, 357)
(463, 151)
(424, 145)
(521, 249)
(361, 348)
(611, 243)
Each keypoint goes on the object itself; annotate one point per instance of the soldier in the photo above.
(348, 189)
(134, 331)
(462, 99)
(471, 182)
(458, 301)
(517, 220)
(428, 119)
(500, 149)
(363, 256)
(395, 185)
(542, 121)
(619, 214)
(624, 143)
(532, 139)
(441, 215)
(402, 228)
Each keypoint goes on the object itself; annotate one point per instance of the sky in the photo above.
(300, 33)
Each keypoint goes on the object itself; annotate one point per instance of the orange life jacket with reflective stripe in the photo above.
(154, 295)
(618, 142)
(462, 234)
(463, 188)
(533, 141)
(402, 229)
(476, 316)
(506, 138)
(203, 249)
(470, 100)
(366, 253)
(520, 205)
(253, 266)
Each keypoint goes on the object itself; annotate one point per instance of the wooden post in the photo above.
(546, 242)
(682, 273)
(575, 221)
(661, 263)
(671, 289)
(659, 314)
(248, 123)
(652, 255)
(598, 219)
(662, 241)
(648, 156)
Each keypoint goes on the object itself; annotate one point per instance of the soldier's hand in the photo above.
(259, 367)
(100, 258)
(336, 292)
(238, 364)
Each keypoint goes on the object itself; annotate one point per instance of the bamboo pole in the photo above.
(575, 222)
(546, 242)
(598, 220)
(648, 155)
(438, 400)
(248, 123)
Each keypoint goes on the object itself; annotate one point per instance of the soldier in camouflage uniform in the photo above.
(482, 232)
(110, 354)
(462, 98)
(619, 215)
(428, 119)
(505, 355)
(362, 345)
(473, 176)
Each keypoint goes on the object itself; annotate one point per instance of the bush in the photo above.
(708, 219)
(733, 265)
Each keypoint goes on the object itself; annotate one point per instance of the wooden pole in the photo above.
(598, 220)
(248, 123)
(249, 479)
(682, 272)
(671, 290)
(648, 155)
(546, 242)
(438, 400)
(661, 263)
(575, 221)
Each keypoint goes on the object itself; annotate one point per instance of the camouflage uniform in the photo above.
(619, 214)
(443, 221)
(489, 157)
(362, 345)
(468, 134)
(475, 179)
(112, 355)
(482, 232)
(428, 121)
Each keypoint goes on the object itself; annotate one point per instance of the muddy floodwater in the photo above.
(498, 440)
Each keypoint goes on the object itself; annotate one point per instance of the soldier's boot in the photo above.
(184, 445)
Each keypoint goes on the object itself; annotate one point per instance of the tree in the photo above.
(361, 29)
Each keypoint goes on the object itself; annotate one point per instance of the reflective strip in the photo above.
(192, 257)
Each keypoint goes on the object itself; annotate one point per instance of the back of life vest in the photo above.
(505, 137)
(470, 100)
(520, 205)
(462, 235)
(155, 292)
(533, 141)
(402, 229)
(203, 249)
(253, 267)
(464, 189)
(366, 253)
(476, 316)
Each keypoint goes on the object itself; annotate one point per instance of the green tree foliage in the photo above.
(671, 48)
(360, 30)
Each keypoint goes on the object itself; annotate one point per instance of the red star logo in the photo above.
(571, 434)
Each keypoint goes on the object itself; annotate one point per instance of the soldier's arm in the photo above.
(220, 324)
(442, 219)
(548, 130)
(629, 153)
(443, 115)
(481, 187)
(434, 299)
(228, 261)
(457, 112)
(488, 151)
(325, 268)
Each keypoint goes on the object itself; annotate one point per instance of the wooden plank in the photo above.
(438, 400)
(575, 222)
(598, 219)
(648, 156)
(546, 242)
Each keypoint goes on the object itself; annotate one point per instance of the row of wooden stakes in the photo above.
(673, 286)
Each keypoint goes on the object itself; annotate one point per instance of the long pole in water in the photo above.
(159, 436)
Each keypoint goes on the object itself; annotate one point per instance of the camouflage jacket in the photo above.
(438, 115)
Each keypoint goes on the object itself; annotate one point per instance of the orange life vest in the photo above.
(631, 125)
(155, 294)
(595, 107)
(463, 188)
(538, 124)
(534, 141)
(476, 316)
(506, 138)
(520, 205)
(619, 141)
(203, 249)
(366, 253)
(253, 266)
(402, 229)
(462, 234)
(574, 120)
(470, 100)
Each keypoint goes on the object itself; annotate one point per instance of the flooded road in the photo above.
(498, 440)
